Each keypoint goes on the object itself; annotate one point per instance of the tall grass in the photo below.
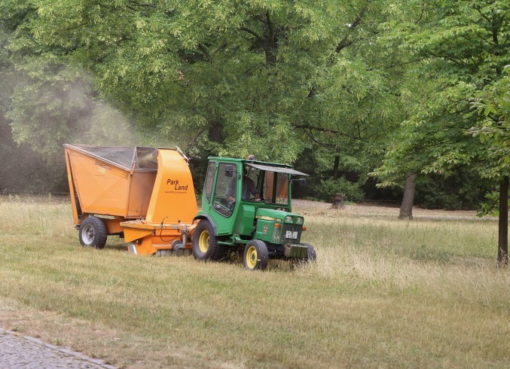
(383, 294)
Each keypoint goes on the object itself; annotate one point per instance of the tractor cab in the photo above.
(247, 204)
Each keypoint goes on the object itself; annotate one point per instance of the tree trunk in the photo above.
(336, 164)
(215, 133)
(338, 201)
(271, 43)
(406, 208)
(503, 223)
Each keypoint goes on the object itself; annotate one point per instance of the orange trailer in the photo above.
(144, 194)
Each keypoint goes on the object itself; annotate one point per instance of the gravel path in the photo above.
(18, 352)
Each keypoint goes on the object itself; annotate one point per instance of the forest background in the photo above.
(365, 96)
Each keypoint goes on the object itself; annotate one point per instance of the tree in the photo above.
(494, 105)
(23, 169)
(462, 47)
(225, 77)
(48, 101)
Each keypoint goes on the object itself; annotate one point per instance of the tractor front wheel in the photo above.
(255, 255)
(204, 242)
(93, 232)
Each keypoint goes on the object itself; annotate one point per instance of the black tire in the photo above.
(204, 242)
(311, 254)
(255, 255)
(92, 232)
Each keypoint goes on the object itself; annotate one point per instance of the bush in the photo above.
(327, 188)
(464, 190)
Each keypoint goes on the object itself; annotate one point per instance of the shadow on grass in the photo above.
(116, 245)
(233, 257)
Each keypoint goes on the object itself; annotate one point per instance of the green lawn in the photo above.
(383, 294)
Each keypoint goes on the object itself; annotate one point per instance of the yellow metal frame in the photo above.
(171, 209)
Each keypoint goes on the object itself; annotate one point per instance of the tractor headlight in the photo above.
(288, 219)
(299, 220)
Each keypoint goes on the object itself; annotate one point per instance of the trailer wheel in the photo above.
(255, 255)
(311, 254)
(204, 242)
(93, 233)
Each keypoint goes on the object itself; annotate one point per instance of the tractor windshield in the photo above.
(267, 186)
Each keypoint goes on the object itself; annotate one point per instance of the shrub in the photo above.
(327, 188)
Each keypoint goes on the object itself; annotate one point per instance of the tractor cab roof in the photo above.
(262, 165)
(277, 169)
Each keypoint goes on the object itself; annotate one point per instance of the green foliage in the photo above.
(269, 78)
(490, 205)
(494, 128)
(326, 189)
(341, 88)
(460, 49)
(462, 190)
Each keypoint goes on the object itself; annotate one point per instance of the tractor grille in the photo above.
(291, 233)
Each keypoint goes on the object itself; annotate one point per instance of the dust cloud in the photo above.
(38, 117)
(103, 125)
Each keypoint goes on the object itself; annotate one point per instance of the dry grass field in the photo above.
(383, 293)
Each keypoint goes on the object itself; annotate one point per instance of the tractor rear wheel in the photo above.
(92, 232)
(255, 255)
(204, 242)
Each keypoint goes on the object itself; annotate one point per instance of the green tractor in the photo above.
(246, 204)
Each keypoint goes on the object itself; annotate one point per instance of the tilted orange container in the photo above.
(114, 181)
(144, 194)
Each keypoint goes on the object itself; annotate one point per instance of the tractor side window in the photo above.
(268, 187)
(209, 180)
(282, 188)
(276, 188)
(226, 189)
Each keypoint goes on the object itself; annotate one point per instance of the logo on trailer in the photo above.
(175, 186)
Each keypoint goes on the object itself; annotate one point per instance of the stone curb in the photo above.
(61, 350)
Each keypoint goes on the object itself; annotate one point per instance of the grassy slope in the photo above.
(383, 294)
